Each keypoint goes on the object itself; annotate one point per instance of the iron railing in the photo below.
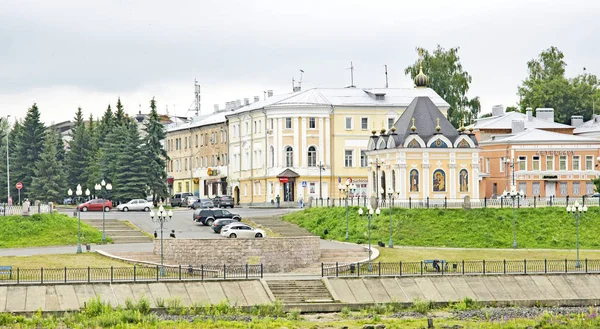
(128, 274)
(6, 210)
(483, 267)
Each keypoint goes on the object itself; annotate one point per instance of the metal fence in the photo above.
(6, 210)
(128, 274)
(483, 267)
(445, 203)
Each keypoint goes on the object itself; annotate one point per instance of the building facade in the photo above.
(301, 145)
(198, 156)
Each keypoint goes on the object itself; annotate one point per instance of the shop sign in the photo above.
(284, 180)
(564, 152)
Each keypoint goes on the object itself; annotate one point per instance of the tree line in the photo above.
(545, 86)
(109, 148)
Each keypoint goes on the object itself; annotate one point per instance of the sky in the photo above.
(68, 54)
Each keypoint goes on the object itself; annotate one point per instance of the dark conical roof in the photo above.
(426, 115)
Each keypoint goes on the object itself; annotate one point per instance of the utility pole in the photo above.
(386, 76)
(351, 68)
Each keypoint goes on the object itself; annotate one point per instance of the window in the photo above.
(363, 158)
(245, 189)
(348, 158)
(271, 120)
(196, 140)
(364, 123)
(589, 162)
(312, 156)
(390, 123)
(197, 162)
(348, 123)
(185, 143)
(487, 165)
(176, 143)
(255, 126)
(576, 164)
(536, 163)
(312, 123)
(502, 164)
(289, 156)
(589, 188)
(247, 130)
(523, 187)
(522, 163)
(288, 123)
(563, 188)
(549, 162)
(272, 156)
(562, 162)
(536, 188)
(576, 189)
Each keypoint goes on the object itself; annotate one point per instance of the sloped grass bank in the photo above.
(44, 230)
(551, 228)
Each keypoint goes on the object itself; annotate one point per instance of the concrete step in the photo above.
(118, 233)
(300, 291)
(131, 239)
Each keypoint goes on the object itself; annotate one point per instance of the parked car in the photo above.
(202, 204)
(136, 204)
(242, 231)
(223, 201)
(189, 200)
(95, 204)
(177, 199)
(209, 216)
(220, 223)
(595, 195)
(69, 201)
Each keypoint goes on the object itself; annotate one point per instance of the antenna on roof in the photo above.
(300, 82)
(197, 96)
(386, 76)
(351, 68)
(293, 84)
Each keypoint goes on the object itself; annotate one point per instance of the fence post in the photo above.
(42, 275)
(246, 271)
(427, 202)
(134, 273)
(400, 268)
(156, 272)
(358, 271)
(261, 270)
(505, 266)
(586, 268)
(445, 202)
(485, 201)
(463, 267)
(484, 267)
(65, 274)
(421, 268)
(111, 274)
(336, 269)
(410, 202)
(202, 271)
(322, 270)
(583, 199)
(545, 266)
(224, 272)
(89, 274)
(379, 268)
(567, 201)
(525, 266)
(179, 272)
(18, 275)
(566, 270)
(534, 202)
(518, 202)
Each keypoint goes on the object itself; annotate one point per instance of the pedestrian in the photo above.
(278, 199)
(155, 235)
(301, 201)
(172, 234)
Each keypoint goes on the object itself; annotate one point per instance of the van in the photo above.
(177, 199)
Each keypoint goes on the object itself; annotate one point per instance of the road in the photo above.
(181, 222)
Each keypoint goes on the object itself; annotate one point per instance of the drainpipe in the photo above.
(230, 191)
(329, 149)
(241, 153)
(266, 163)
(251, 160)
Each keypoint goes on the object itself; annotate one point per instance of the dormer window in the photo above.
(379, 97)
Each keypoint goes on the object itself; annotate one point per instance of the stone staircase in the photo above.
(300, 291)
(281, 227)
(119, 231)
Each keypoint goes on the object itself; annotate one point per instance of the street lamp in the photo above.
(390, 194)
(514, 194)
(7, 162)
(343, 190)
(161, 217)
(369, 216)
(577, 212)
(98, 188)
(377, 163)
(321, 169)
(78, 193)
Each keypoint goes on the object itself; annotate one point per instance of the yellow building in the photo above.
(301, 145)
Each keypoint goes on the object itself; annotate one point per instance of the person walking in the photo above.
(278, 200)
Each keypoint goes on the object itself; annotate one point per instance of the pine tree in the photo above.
(48, 184)
(13, 137)
(129, 180)
(60, 147)
(105, 126)
(155, 154)
(93, 135)
(77, 159)
(120, 117)
(29, 147)
(4, 128)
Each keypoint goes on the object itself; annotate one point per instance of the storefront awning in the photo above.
(288, 173)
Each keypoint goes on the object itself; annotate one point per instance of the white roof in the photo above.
(505, 122)
(346, 97)
(592, 125)
(199, 121)
(537, 136)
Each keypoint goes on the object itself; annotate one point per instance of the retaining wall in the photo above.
(276, 254)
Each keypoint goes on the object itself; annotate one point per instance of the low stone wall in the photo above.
(276, 254)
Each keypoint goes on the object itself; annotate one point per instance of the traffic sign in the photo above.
(303, 183)
(19, 185)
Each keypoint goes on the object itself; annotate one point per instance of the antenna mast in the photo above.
(300, 82)
(351, 75)
(197, 96)
(386, 76)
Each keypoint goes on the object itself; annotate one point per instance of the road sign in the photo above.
(303, 183)
(19, 185)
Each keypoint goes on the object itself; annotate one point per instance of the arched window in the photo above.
(312, 156)
(272, 156)
(289, 156)
(393, 180)
(382, 187)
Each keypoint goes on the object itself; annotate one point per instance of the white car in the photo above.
(136, 204)
(239, 230)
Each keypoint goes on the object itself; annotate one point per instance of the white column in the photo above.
(327, 142)
(279, 149)
(474, 176)
(321, 141)
(402, 179)
(425, 177)
(304, 149)
(452, 181)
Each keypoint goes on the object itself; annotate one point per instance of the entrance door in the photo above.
(236, 192)
(550, 189)
(288, 190)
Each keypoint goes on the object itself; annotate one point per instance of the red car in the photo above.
(96, 204)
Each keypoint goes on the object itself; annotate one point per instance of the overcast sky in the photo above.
(64, 54)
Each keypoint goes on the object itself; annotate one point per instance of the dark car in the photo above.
(220, 223)
(223, 201)
(209, 216)
(202, 204)
(177, 199)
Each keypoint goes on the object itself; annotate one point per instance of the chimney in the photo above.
(269, 93)
(297, 88)
(518, 126)
(545, 114)
(246, 101)
(216, 107)
(529, 112)
(238, 103)
(497, 110)
(576, 120)
(256, 99)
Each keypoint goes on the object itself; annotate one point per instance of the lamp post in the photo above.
(577, 212)
(511, 164)
(514, 194)
(7, 162)
(343, 190)
(98, 188)
(390, 194)
(377, 163)
(161, 217)
(78, 192)
(321, 168)
(369, 216)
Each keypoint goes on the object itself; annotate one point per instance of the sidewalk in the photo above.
(137, 247)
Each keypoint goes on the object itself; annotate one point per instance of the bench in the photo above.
(430, 268)
(6, 270)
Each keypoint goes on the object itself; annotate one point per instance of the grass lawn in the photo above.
(74, 260)
(543, 228)
(44, 230)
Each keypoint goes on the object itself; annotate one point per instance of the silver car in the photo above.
(136, 205)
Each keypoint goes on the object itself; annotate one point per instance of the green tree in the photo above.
(4, 128)
(155, 154)
(29, 146)
(105, 126)
(13, 138)
(77, 159)
(130, 174)
(49, 183)
(120, 117)
(450, 81)
(546, 86)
